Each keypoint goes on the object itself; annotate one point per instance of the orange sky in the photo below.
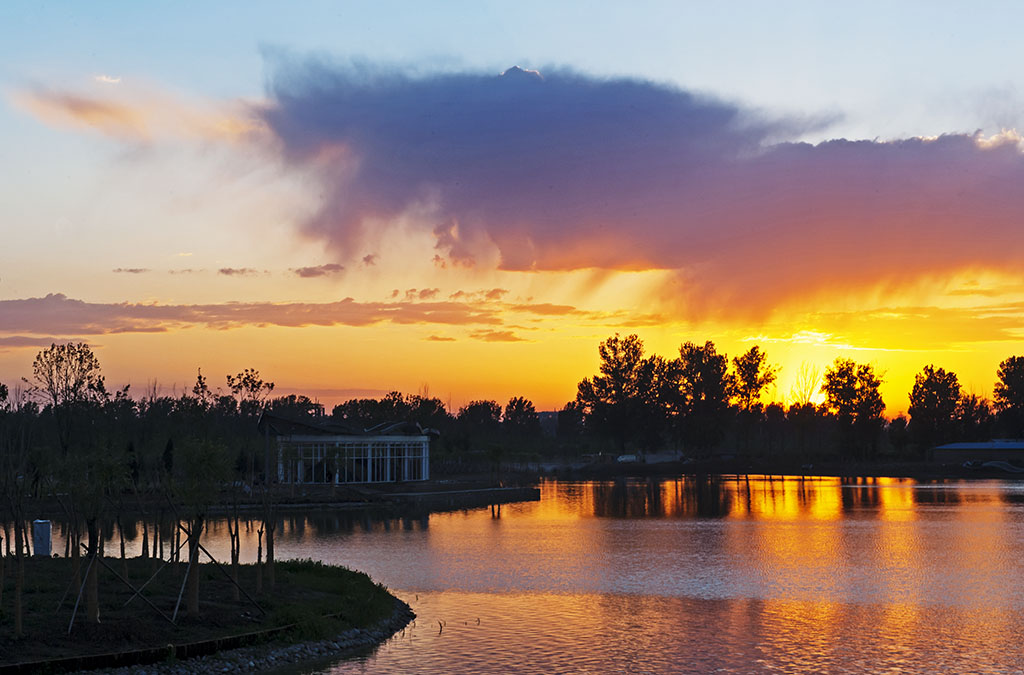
(346, 238)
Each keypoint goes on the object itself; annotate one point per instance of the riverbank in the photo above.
(279, 654)
(310, 604)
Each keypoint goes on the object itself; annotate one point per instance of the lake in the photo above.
(730, 574)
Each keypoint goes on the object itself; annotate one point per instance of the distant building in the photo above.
(981, 451)
(318, 451)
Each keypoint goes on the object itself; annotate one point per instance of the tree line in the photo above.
(702, 401)
(67, 440)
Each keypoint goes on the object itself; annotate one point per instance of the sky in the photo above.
(465, 199)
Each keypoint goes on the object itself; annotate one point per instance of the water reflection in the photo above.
(736, 573)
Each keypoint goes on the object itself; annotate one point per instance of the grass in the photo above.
(317, 600)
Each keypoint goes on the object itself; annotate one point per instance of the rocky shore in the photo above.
(277, 654)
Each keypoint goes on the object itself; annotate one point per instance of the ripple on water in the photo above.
(602, 633)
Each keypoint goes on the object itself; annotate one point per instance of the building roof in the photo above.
(279, 425)
(999, 444)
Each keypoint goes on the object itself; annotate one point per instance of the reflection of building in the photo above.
(985, 451)
(311, 451)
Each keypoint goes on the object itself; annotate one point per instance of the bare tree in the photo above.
(806, 384)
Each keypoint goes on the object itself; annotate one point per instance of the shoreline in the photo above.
(315, 610)
(920, 471)
(265, 655)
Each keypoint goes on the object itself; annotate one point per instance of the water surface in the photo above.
(729, 575)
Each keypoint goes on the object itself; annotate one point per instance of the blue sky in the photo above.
(891, 69)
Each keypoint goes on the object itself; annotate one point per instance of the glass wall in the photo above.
(353, 460)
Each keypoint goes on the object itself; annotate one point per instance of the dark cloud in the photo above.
(370, 259)
(318, 270)
(439, 338)
(237, 271)
(570, 172)
(131, 270)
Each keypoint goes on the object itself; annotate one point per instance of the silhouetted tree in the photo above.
(480, 418)
(806, 385)
(626, 399)
(428, 412)
(933, 405)
(296, 406)
(363, 413)
(974, 418)
(897, 433)
(705, 387)
(250, 390)
(1008, 396)
(570, 422)
(803, 418)
(520, 419)
(64, 377)
(852, 395)
(753, 374)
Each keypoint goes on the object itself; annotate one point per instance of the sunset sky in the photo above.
(466, 198)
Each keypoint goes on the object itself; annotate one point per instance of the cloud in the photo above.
(370, 259)
(439, 338)
(107, 79)
(546, 308)
(131, 270)
(569, 172)
(318, 270)
(238, 271)
(60, 315)
(496, 336)
(24, 342)
(139, 114)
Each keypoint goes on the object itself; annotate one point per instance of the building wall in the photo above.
(353, 459)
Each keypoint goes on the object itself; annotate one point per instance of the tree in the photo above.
(197, 482)
(570, 422)
(933, 406)
(1008, 396)
(753, 374)
(805, 386)
(520, 418)
(705, 388)
(201, 390)
(974, 418)
(480, 418)
(250, 390)
(897, 432)
(627, 400)
(852, 395)
(64, 377)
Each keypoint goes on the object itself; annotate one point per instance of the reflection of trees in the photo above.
(700, 496)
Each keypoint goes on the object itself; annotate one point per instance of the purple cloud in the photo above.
(569, 172)
(58, 314)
